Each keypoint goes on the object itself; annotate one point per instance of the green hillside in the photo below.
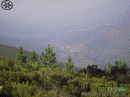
(45, 78)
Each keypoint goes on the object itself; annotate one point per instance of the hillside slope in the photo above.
(10, 51)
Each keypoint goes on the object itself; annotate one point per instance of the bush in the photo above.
(64, 88)
(114, 70)
(17, 68)
(28, 65)
(121, 78)
(13, 89)
(83, 70)
(3, 57)
(123, 70)
(35, 66)
(4, 65)
(75, 87)
(10, 63)
(55, 66)
(92, 69)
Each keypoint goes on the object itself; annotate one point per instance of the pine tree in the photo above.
(106, 69)
(120, 65)
(109, 67)
(123, 67)
(116, 63)
(33, 56)
(49, 57)
(124, 64)
(69, 65)
(20, 57)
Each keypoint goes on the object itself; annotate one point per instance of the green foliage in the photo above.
(109, 67)
(4, 65)
(38, 80)
(92, 70)
(20, 56)
(69, 65)
(22, 90)
(55, 65)
(83, 70)
(49, 57)
(124, 64)
(33, 56)
(64, 88)
(121, 78)
(76, 87)
(120, 65)
(28, 65)
(35, 66)
(116, 62)
(17, 68)
(39, 65)
(10, 63)
(106, 69)
(58, 77)
(3, 57)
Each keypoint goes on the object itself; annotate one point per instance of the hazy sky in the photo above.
(69, 24)
(49, 18)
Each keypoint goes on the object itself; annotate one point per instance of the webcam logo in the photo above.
(7, 5)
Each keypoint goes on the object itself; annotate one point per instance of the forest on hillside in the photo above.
(19, 78)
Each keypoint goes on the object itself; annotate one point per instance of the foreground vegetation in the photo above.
(20, 78)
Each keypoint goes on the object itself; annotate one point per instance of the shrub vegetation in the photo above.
(46, 79)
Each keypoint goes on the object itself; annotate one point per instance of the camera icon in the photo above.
(7, 5)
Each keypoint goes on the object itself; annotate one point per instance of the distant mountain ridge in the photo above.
(39, 45)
